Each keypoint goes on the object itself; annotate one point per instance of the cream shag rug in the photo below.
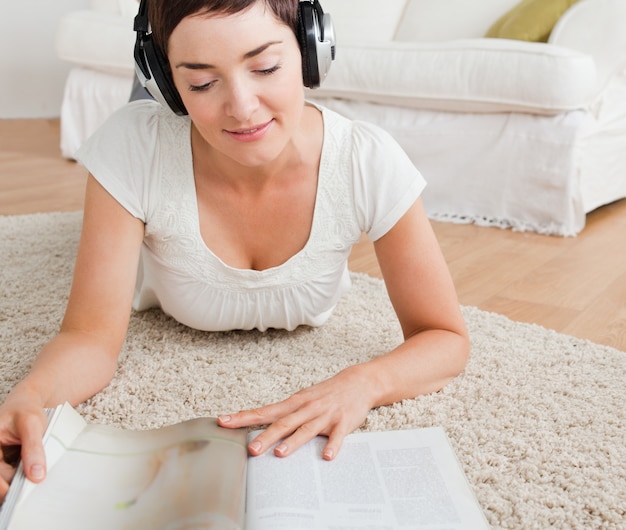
(537, 418)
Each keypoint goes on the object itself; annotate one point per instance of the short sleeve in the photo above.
(386, 182)
(121, 155)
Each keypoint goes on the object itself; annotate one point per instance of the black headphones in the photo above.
(315, 34)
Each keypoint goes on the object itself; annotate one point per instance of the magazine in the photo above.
(197, 475)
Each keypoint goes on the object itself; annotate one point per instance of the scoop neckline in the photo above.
(314, 222)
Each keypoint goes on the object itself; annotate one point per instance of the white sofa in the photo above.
(508, 133)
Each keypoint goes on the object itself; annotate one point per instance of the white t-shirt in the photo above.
(142, 157)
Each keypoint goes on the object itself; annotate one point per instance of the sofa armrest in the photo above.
(129, 8)
(101, 41)
(125, 8)
(595, 27)
(468, 75)
(111, 7)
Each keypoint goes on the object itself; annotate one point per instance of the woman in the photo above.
(241, 215)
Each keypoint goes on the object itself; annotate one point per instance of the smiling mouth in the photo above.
(247, 131)
(251, 133)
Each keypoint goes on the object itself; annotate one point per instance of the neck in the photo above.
(210, 164)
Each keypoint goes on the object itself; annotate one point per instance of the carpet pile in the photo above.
(537, 418)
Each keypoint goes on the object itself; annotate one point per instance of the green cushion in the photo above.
(530, 20)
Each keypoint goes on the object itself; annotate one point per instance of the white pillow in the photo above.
(474, 75)
(437, 20)
(364, 20)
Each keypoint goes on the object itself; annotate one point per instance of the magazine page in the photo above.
(380, 480)
(189, 475)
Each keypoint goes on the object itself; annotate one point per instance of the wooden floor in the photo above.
(573, 285)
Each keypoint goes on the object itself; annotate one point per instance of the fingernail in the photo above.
(328, 454)
(281, 449)
(255, 446)
(37, 472)
(224, 419)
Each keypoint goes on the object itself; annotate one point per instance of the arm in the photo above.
(435, 349)
(82, 358)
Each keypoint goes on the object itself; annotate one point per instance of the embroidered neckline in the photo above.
(173, 232)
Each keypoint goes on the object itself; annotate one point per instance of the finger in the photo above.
(303, 434)
(335, 442)
(260, 416)
(277, 432)
(6, 472)
(6, 475)
(33, 455)
(4, 488)
(310, 430)
(302, 425)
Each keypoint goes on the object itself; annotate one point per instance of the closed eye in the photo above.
(269, 71)
(201, 88)
(207, 86)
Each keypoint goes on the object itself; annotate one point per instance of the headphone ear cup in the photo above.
(152, 67)
(316, 38)
(306, 40)
(162, 86)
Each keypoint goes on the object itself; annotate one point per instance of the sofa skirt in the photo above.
(89, 98)
(511, 170)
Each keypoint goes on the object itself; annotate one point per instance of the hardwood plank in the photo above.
(33, 175)
(603, 320)
(546, 315)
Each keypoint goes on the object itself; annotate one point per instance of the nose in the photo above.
(241, 99)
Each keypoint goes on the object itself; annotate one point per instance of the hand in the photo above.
(333, 408)
(22, 423)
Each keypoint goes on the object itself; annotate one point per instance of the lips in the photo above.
(250, 134)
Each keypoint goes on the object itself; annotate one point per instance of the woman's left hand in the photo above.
(333, 408)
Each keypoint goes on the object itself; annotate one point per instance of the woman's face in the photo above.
(240, 78)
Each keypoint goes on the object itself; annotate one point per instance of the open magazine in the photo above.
(197, 475)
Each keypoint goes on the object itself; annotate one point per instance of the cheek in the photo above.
(205, 120)
(290, 91)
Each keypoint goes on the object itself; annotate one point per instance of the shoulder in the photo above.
(144, 110)
(135, 115)
(138, 120)
(137, 127)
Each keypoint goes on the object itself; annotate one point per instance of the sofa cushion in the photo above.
(530, 20)
(364, 19)
(477, 75)
(440, 20)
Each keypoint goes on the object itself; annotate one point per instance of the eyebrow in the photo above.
(247, 55)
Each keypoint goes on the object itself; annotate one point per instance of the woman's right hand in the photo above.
(22, 426)
(81, 360)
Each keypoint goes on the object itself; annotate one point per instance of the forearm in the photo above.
(72, 367)
(423, 364)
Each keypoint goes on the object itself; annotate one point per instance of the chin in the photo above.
(258, 154)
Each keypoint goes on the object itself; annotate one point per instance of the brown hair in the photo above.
(165, 15)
